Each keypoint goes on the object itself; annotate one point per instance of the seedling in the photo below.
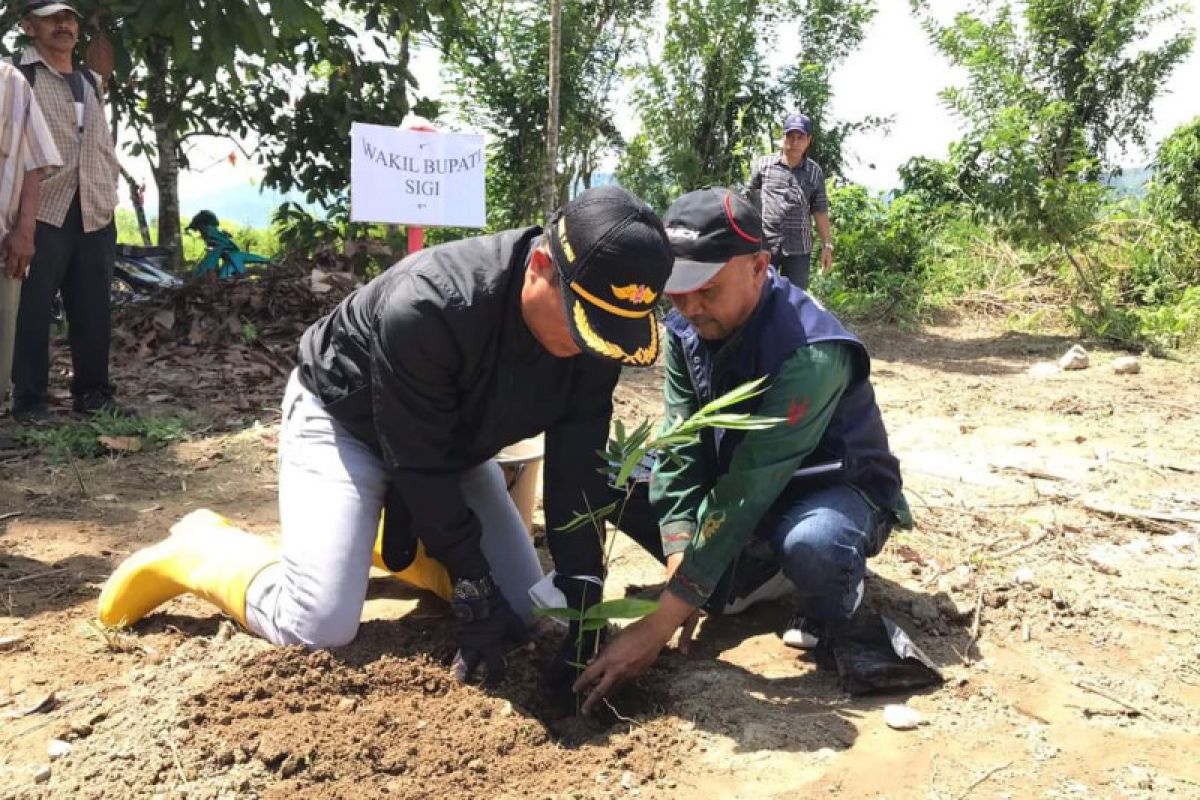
(624, 452)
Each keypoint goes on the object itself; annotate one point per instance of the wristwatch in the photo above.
(470, 598)
(829, 246)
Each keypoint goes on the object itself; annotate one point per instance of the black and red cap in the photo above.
(613, 259)
(706, 228)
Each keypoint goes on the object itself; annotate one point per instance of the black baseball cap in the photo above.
(44, 8)
(613, 258)
(706, 228)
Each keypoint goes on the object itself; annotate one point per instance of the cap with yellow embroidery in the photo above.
(613, 259)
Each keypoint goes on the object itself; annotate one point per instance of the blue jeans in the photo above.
(823, 540)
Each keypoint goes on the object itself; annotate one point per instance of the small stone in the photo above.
(57, 748)
(1044, 369)
(1046, 593)
(626, 780)
(1024, 577)
(994, 599)
(291, 766)
(81, 729)
(225, 631)
(477, 765)
(506, 709)
(346, 704)
(42, 775)
(1141, 777)
(1075, 358)
(1126, 365)
(901, 717)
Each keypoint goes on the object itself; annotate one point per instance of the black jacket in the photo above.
(432, 365)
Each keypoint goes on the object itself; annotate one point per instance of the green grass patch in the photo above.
(82, 438)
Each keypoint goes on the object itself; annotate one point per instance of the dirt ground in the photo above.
(1052, 576)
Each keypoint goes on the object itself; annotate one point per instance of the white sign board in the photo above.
(411, 177)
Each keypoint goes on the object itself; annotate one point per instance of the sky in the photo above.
(895, 72)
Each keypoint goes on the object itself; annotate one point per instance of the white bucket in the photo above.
(522, 466)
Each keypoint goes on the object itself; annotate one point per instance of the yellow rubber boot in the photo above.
(205, 555)
(423, 573)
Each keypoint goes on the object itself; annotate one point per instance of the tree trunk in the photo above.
(166, 169)
(550, 188)
(139, 207)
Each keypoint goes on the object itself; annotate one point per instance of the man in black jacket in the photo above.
(406, 391)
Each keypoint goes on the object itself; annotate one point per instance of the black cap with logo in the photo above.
(706, 228)
(613, 259)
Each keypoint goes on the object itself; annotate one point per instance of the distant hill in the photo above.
(245, 204)
(1131, 181)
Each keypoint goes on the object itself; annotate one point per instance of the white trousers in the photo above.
(331, 492)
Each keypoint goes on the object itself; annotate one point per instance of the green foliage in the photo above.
(709, 101)
(1175, 191)
(830, 31)
(264, 241)
(1054, 87)
(705, 98)
(497, 58)
(81, 437)
(625, 450)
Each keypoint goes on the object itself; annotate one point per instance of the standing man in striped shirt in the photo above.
(27, 152)
(789, 189)
(75, 237)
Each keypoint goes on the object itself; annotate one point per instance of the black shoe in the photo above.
(34, 413)
(101, 402)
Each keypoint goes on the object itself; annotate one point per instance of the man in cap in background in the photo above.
(802, 504)
(27, 152)
(789, 189)
(407, 390)
(75, 235)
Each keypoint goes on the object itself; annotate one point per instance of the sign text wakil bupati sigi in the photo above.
(416, 177)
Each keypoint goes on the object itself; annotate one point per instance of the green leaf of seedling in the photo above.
(592, 624)
(624, 608)
(579, 520)
(733, 397)
(557, 613)
(744, 422)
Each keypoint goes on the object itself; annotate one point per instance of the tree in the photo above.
(1054, 89)
(710, 102)
(830, 30)
(705, 99)
(1175, 190)
(173, 63)
(497, 59)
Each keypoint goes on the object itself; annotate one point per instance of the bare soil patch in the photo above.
(1052, 575)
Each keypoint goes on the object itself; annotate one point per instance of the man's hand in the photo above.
(19, 251)
(826, 260)
(634, 649)
(487, 629)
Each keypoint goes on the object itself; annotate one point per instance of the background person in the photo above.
(75, 237)
(789, 190)
(27, 151)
